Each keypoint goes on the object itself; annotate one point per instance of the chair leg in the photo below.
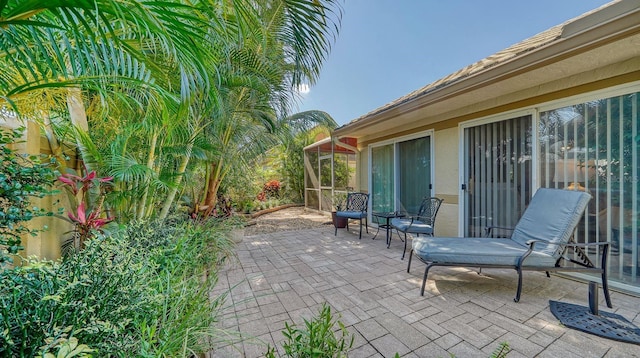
(605, 288)
(360, 238)
(336, 233)
(405, 247)
(424, 279)
(410, 255)
(605, 284)
(519, 290)
(366, 224)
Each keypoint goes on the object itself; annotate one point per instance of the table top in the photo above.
(388, 214)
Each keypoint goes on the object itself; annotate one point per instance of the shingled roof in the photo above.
(515, 51)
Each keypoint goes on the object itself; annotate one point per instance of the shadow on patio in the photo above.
(286, 276)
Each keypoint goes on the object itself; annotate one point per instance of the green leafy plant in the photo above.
(144, 290)
(64, 347)
(86, 210)
(501, 351)
(317, 339)
(339, 200)
(22, 179)
(186, 255)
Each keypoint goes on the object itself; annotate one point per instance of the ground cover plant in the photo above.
(141, 291)
(323, 336)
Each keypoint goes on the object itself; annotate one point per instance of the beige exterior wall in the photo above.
(446, 180)
(363, 170)
(45, 244)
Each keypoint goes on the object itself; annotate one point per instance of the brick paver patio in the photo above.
(285, 277)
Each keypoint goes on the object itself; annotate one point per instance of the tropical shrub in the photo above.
(22, 179)
(86, 196)
(141, 291)
(185, 274)
(272, 188)
(97, 295)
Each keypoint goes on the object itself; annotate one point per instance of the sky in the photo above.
(388, 48)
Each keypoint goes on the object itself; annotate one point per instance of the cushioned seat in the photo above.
(417, 227)
(478, 251)
(351, 214)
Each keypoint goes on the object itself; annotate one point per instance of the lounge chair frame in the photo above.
(580, 258)
(586, 265)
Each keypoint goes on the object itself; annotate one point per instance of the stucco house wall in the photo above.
(47, 243)
(446, 180)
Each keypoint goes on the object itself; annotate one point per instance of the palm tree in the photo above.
(177, 65)
(84, 48)
(258, 95)
(99, 43)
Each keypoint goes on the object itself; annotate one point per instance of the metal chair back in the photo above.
(357, 202)
(428, 210)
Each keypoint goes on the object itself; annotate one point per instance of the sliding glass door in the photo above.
(414, 173)
(595, 147)
(401, 174)
(382, 179)
(497, 172)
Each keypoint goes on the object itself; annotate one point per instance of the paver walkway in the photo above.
(286, 276)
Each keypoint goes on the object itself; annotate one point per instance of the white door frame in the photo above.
(428, 133)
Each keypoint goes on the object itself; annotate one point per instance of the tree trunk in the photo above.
(150, 161)
(54, 145)
(172, 193)
(212, 184)
(78, 117)
(215, 179)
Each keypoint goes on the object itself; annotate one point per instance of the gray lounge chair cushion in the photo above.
(476, 251)
(351, 214)
(417, 227)
(551, 218)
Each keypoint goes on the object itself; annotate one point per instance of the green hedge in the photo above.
(140, 291)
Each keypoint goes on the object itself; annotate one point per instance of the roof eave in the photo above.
(621, 20)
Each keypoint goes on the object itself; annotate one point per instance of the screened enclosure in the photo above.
(330, 172)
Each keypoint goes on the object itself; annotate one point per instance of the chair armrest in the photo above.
(406, 213)
(531, 243)
(587, 244)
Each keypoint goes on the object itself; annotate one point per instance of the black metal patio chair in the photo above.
(355, 208)
(421, 223)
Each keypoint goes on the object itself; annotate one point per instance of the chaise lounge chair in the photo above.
(539, 242)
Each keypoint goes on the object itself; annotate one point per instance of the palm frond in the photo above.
(127, 169)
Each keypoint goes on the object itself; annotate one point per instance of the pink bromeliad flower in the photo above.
(89, 222)
(86, 181)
